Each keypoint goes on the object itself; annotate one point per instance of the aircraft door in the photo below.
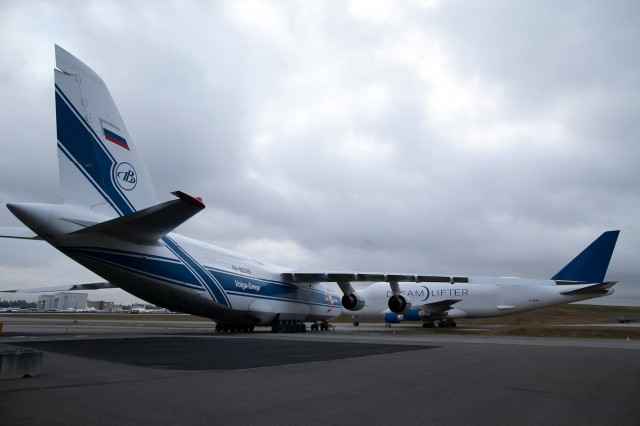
(508, 296)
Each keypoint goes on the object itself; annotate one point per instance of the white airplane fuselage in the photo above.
(181, 273)
(480, 297)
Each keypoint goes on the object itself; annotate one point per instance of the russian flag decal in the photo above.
(117, 139)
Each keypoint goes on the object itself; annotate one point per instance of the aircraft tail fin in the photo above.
(99, 165)
(147, 226)
(590, 266)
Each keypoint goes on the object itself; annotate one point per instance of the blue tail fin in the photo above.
(591, 265)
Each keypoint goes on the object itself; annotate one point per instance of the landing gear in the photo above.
(447, 323)
(230, 328)
(320, 325)
(289, 327)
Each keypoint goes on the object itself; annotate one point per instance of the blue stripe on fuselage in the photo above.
(174, 272)
(200, 272)
(243, 285)
(156, 267)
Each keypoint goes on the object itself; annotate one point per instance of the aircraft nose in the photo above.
(35, 216)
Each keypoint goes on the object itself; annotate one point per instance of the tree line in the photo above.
(23, 304)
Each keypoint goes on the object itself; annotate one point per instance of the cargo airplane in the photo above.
(112, 223)
(447, 299)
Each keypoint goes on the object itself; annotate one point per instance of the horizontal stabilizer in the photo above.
(18, 232)
(600, 288)
(591, 265)
(69, 287)
(149, 225)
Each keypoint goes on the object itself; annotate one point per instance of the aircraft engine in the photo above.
(353, 302)
(391, 318)
(413, 314)
(398, 304)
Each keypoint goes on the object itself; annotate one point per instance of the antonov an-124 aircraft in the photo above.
(112, 222)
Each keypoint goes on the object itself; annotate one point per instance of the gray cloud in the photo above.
(492, 138)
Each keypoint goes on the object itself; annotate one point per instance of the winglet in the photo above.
(591, 265)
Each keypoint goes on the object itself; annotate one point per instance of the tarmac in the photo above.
(174, 373)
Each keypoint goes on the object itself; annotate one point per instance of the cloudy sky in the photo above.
(445, 137)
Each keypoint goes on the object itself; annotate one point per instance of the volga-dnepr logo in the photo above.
(125, 176)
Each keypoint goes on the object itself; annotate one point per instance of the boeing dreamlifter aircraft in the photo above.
(113, 223)
(447, 299)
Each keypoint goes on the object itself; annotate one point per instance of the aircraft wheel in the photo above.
(453, 324)
(356, 323)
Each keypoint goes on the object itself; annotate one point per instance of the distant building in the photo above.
(100, 305)
(45, 302)
(75, 301)
(64, 301)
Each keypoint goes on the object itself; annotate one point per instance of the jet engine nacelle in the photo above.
(353, 302)
(398, 304)
(413, 314)
(391, 318)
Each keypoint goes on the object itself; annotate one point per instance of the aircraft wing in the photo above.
(353, 301)
(337, 277)
(69, 287)
(19, 232)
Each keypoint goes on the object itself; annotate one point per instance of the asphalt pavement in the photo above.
(182, 376)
